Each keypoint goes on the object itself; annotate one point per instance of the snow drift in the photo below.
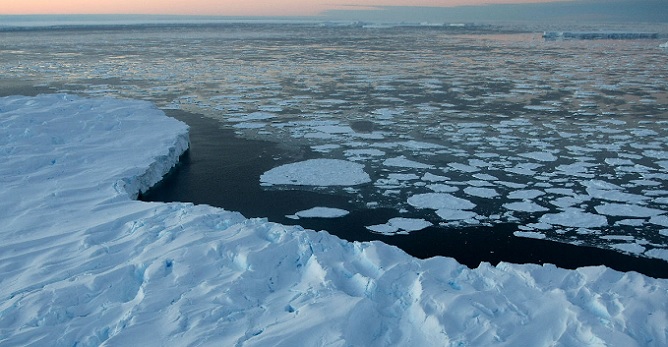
(82, 263)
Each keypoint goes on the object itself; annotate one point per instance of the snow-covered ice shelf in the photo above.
(82, 263)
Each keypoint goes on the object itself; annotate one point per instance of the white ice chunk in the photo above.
(442, 188)
(481, 192)
(399, 225)
(454, 214)
(437, 201)
(322, 212)
(540, 156)
(463, 167)
(317, 172)
(632, 248)
(525, 206)
(527, 194)
(429, 177)
(575, 218)
(529, 234)
(401, 161)
(627, 210)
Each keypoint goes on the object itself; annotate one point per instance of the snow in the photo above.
(317, 172)
(99, 268)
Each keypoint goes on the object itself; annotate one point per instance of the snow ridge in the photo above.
(83, 264)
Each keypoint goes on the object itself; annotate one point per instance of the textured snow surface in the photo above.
(83, 264)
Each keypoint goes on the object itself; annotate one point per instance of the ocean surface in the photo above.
(479, 143)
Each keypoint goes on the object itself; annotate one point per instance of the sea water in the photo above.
(471, 138)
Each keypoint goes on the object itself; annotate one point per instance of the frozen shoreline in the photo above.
(97, 266)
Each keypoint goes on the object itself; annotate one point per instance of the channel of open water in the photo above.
(223, 170)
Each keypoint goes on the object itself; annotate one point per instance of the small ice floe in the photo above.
(438, 201)
(400, 225)
(525, 206)
(529, 234)
(401, 161)
(481, 192)
(575, 218)
(320, 212)
(664, 45)
(540, 156)
(317, 172)
(627, 210)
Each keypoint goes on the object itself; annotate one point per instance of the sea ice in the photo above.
(317, 172)
(98, 268)
(540, 156)
(524, 206)
(627, 210)
(438, 201)
(403, 162)
(400, 225)
(481, 192)
(529, 234)
(525, 194)
(575, 218)
(322, 212)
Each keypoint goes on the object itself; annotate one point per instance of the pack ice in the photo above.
(83, 264)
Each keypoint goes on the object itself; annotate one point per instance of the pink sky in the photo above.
(218, 7)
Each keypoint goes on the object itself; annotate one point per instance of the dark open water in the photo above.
(223, 170)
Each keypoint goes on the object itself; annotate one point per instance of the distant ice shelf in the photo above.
(598, 35)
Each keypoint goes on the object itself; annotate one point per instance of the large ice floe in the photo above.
(83, 264)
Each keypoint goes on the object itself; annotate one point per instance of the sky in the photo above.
(542, 11)
(226, 7)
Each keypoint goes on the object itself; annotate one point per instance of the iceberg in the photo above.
(83, 263)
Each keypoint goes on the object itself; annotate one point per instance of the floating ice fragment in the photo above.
(442, 188)
(481, 192)
(401, 161)
(632, 248)
(527, 194)
(437, 201)
(525, 206)
(627, 210)
(400, 224)
(454, 214)
(540, 156)
(322, 212)
(529, 234)
(575, 218)
(317, 172)
(661, 220)
(463, 167)
(429, 177)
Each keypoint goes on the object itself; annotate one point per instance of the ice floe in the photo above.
(322, 212)
(575, 218)
(400, 225)
(317, 172)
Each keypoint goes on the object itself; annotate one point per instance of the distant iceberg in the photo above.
(598, 35)
(664, 45)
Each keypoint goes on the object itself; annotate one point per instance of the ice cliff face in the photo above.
(81, 263)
